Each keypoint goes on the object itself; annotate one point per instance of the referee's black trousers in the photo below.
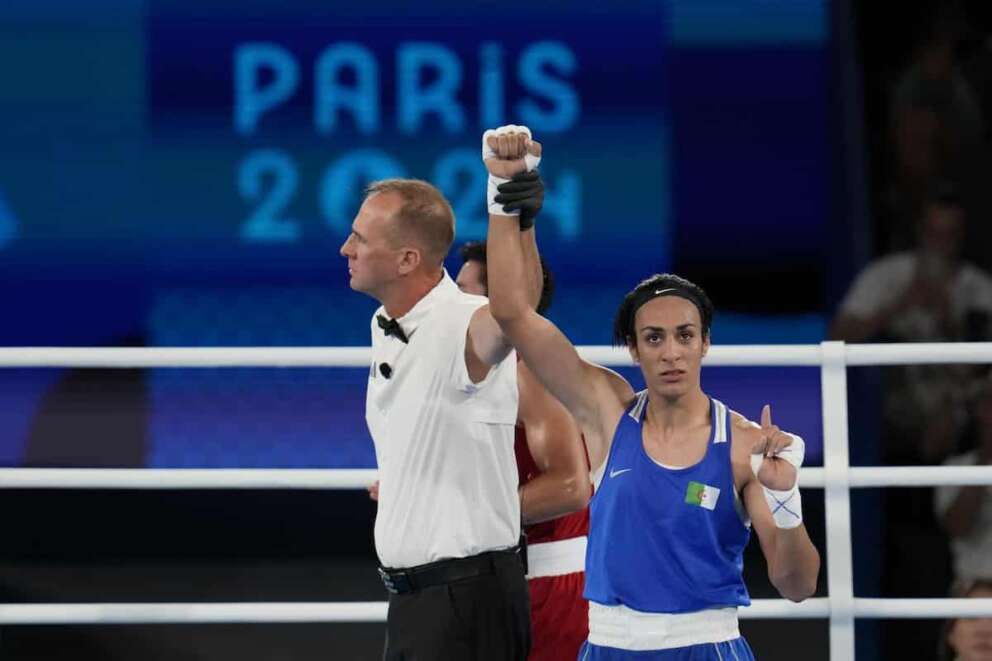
(482, 618)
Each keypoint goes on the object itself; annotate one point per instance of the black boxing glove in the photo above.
(523, 193)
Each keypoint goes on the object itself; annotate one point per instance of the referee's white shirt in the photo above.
(447, 472)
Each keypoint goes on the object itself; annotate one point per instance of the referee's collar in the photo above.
(419, 312)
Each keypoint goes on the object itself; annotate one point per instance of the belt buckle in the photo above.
(396, 581)
(387, 580)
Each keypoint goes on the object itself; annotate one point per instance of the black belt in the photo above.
(411, 579)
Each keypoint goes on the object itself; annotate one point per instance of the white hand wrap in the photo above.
(786, 506)
(494, 181)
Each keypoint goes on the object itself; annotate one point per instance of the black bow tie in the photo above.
(391, 327)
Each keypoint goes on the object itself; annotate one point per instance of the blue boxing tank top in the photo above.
(667, 540)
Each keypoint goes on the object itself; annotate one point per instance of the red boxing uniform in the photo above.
(559, 615)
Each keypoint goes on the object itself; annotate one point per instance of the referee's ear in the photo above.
(410, 260)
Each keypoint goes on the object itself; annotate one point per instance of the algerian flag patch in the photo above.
(702, 494)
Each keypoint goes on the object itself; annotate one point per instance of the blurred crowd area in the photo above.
(927, 86)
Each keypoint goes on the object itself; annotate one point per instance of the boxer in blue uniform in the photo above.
(680, 478)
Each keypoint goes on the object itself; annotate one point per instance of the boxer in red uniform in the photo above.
(554, 494)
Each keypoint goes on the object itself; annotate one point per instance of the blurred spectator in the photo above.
(966, 512)
(935, 84)
(936, 124)
(977, 67)
(976, 62)
(929, 294)
(969, 639)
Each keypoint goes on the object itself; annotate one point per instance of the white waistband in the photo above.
(565, 556)
(627, 629)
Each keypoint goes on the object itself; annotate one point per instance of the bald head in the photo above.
(423, 217)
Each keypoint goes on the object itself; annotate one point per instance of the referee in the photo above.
(441, 407)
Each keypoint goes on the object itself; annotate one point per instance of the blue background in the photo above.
(699, 138)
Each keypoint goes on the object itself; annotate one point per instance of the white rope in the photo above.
(901, 476)
(922, 608)
(129, 357)
(375, 611)
(722, 355)
(861, 477)
(185, 478)
(769, 355)
(358, 611)
(359, 478)
(766, 609)
(870, 608)
(920, 476)
(918, 353)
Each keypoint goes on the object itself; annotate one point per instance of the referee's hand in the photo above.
(373, 490)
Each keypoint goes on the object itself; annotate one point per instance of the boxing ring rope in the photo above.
(359, 478)
(375, 611)
(768, 355)
(836, 477)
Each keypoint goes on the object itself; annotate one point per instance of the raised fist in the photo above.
(509, 150)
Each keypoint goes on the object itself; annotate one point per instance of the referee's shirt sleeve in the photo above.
(457, 322)
(456, 331)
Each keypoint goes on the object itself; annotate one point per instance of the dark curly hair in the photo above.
(623, 323)
(475, 251)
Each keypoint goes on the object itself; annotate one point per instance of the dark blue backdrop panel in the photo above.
(752, 156)
(183, 173)
(316, 418)
(288, 114)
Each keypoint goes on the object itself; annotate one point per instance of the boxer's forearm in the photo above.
(532, 265)
(795, 565)
(509, 274)
(551, 495)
